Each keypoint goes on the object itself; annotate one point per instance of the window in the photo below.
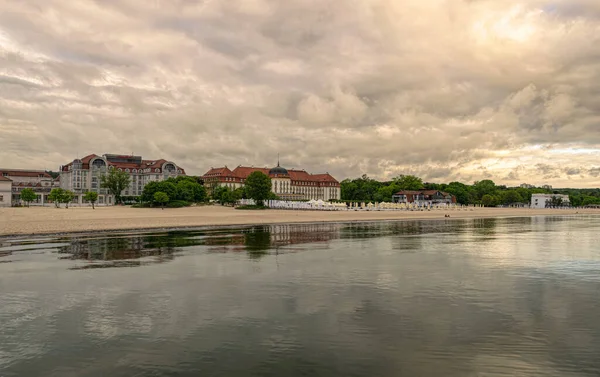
(1, 198)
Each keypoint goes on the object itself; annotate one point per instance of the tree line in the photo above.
(485, 192)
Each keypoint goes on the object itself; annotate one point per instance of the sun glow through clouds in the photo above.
(516, 25)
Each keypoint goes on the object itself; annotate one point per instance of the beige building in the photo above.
(5, 192)
(38, 180)
(286, 184)
(83, 175)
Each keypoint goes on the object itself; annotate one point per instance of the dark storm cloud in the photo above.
(349, 87)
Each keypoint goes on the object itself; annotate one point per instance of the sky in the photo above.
(445, 89)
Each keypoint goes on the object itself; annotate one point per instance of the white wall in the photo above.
(539, 200)
(6, 193)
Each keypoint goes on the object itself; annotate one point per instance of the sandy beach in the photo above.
(48, 220)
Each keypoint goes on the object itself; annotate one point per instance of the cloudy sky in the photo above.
(446, 89)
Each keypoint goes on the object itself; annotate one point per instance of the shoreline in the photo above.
(40, 221)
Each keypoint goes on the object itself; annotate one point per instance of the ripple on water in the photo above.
(489, 297)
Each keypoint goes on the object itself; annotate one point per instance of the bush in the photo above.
(178, 204)
(252, 207)
(141, 205)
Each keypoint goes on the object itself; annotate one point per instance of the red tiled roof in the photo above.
(299, 175)
(222, 172)
(242, 172)
(421, 192)
(408, 192)
(27, 184)
(24, 173)
(5, 179)
(85, 162)
(324, 178)
(151, 164)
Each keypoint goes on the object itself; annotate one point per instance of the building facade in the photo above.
(83, 175)
(286, 184)
(5, 192)
(546, 200)
(38, 180)
(423, 197)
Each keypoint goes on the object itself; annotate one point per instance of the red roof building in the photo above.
(39, 181)
(287, 184)
(82, 175)
(423, 197)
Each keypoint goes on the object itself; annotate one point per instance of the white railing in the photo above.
(385, 206)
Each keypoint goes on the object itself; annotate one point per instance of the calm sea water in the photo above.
(487, 297)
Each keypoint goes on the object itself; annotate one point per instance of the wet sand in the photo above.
(49, 220)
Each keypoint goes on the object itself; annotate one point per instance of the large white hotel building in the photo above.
(288, 184)
(82, 175)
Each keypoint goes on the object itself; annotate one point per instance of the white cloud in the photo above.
(448, 90)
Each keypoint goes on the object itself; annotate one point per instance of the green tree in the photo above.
(219, 194)
(240, 193)
(485, 187)
(488, 200)
(115, 181)
(385, 193)
(460, 191)
(161, 198)
(590, 200)
(28, 196)
(190, 191)
(511, 196)
(168, 187)
(360, 189)
(409, 182)
(91, 196)
(56, 196)
(556, 201)
(67, 197)
(258, 187)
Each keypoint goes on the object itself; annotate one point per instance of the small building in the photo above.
(38, 180)
(423, 197)
(5, 191)
(549, 200)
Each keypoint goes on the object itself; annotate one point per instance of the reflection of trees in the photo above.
(123, 251)
(257, 241)
(485, 227)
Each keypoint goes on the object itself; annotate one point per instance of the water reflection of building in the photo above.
(272, 236)
(119, 251)
(291, 234)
